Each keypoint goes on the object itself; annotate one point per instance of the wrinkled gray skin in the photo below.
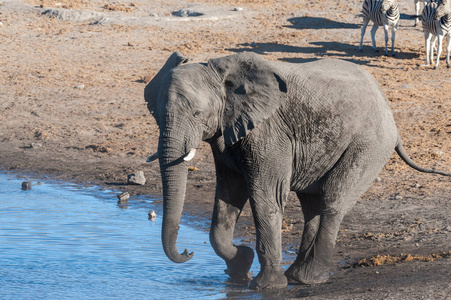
(322, 129)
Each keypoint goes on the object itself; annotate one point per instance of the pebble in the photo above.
(237, 9)
(136, 178)
(123, 198)
(152, 215)
(35, 145)
(79, 87)
(399, 197)
(26, 185)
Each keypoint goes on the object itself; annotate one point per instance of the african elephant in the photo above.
(323, 129)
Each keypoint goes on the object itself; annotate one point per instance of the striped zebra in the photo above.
(381, 13)
(436, 20)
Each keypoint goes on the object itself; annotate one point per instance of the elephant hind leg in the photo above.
(311, 208)
(342, 187)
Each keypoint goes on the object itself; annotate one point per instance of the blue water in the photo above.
(63, 241)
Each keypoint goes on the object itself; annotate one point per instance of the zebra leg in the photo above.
(386, 38)
(439, 49)
(433, 47)
(448, 49)
(393, 34)
(373, 37)
(365, 23)
(417, 11)
(427, 43)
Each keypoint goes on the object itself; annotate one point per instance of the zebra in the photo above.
(382, 13)
(417, 10)
(436, 20)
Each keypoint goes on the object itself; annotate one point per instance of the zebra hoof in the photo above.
(376, 50)
(393, 55)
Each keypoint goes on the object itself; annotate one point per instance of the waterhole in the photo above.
(64, 241)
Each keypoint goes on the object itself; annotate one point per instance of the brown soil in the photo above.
(71, 105)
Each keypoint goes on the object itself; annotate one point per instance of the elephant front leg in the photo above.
(268, 215)
(230, 199)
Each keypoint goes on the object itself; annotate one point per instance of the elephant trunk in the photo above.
(174, 176)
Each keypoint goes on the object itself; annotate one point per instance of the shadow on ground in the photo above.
(318, 23)
(322, 50)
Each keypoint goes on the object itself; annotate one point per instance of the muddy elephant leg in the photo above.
(342, 187)
(311, 208)
(231, 196)
(267, 207)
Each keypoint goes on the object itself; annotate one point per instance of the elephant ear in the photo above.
(254, 91)
(152, 90)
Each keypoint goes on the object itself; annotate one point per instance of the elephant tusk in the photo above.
(152, 158)
(190, 155)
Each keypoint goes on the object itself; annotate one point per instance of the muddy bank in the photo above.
(71, 103)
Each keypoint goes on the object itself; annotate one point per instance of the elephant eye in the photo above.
(197, 114)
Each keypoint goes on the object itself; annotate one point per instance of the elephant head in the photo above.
(219, 102)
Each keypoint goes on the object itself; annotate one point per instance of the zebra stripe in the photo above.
(381, 13)
(427, 18)
(436, 21)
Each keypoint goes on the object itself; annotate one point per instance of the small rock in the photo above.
(417, 185)
(26, 185)
(378, 179)
(137, 178)
(123, 198)
(399, 197)
(184, 13)
(79, 87)
(237, 9)
(438, 152)
(35, 145)
(152, 215)
(154, 15)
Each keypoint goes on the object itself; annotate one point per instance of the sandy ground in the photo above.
(71, 106)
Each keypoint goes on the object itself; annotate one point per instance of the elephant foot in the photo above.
(309, 272)
(238, 267)
(269, 280)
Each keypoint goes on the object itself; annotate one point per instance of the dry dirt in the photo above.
(71, 106)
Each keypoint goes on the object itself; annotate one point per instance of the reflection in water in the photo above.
(69, 242)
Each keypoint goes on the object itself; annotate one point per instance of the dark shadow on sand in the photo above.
(319, 23)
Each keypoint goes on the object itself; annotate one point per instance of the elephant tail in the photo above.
(405, 157)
